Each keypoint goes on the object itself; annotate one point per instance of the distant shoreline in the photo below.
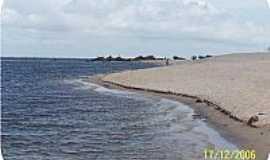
(138, 58)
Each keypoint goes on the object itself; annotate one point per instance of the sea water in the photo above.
(50, 111)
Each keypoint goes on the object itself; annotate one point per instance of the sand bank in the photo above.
(236, 84)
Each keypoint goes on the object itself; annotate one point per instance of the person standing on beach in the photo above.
(167, 61)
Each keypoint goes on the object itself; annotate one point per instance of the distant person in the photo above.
(167, 62)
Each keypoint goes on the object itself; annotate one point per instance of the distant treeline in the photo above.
(139, 58)
(145, 58)
(194, 57)
(200, 57)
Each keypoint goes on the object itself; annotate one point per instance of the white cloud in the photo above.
(1, 3)
(89, 14)
(10, 16)
(191, 19)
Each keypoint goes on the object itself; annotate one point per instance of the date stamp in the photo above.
(213, 154)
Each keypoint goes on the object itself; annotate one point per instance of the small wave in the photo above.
(175, 115)
(174, 105)
(81, 84)
(213, 136)
(113, 91)
(185, 129)
(50, 133)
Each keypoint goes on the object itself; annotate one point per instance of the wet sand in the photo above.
(225, 90)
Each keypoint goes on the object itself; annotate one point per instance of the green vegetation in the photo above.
(147, 58)
(178, 58)
(138, 58)
(194, 57)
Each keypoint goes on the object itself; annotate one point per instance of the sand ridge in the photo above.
(238, 83)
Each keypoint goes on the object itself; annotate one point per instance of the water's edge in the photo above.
(234, 131)
(98, 81)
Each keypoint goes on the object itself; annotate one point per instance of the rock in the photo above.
(261, 113)
(196, 115)
(199, 101)
(252, 120)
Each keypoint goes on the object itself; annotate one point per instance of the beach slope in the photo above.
(237, 84)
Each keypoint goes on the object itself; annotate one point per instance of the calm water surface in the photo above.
(51, 112)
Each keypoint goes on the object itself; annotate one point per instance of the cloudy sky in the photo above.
(86, 28)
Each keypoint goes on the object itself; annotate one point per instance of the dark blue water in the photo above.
(50, 111)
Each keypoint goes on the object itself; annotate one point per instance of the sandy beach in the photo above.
(232, 88)
(239, 83)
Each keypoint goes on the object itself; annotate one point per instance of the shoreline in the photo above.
(238, 84)
(231, 128)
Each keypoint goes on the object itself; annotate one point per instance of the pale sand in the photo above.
(238, 83)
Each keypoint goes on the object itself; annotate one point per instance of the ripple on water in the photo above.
(54, 114)
(168, 125)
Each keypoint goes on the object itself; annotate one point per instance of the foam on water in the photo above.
(112, 91)
(81, 84)
(176, 109)
(200, 126)
(190, 136)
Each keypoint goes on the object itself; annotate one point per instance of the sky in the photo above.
(89, 28)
